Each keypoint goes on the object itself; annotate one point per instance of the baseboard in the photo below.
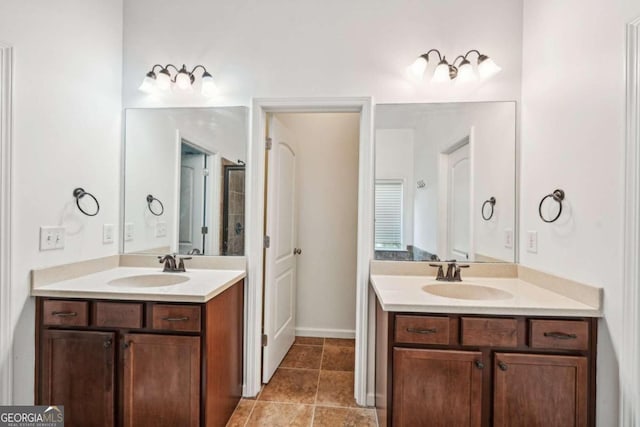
(371, 399)
(325, 333)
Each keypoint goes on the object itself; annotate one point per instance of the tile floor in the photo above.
(312, 387)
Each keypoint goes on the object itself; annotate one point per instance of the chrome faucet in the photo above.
(170, 263)
(453, 273)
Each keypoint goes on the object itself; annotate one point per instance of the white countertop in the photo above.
(403, 293)
(203, 284)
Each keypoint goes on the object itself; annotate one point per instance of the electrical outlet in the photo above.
(532, 242)
(128, 231)
(161, 229)
(51, 238)
(107, 233)
(508, 238)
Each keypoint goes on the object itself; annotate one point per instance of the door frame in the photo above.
(6, 322)
(630, 355)
(255, 183)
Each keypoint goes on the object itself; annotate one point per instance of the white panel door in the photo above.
(280, 260)
(459, 200)
(192, 176)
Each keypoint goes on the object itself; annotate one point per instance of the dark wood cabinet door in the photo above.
(437, 388)
(540, 390)
(77, 371)
(161, 384)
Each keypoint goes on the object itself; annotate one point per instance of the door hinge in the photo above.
(268, 143)
(264, 340)
(267, 242)
(205, 230)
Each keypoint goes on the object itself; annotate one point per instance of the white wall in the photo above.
(573, 121)
(66, 133)
(151, 164)
(283, 48)
(327, 196)
(394, 160)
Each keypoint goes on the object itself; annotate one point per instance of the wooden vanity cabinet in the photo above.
(468, 370)
(137, 363)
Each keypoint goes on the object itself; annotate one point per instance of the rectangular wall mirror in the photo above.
(184, 180)
(445, 182)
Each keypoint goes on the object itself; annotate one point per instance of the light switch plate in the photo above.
(107, 233)
(532, 242)
(508, 238)
(128, 231)
(51, 238)
(161, 229)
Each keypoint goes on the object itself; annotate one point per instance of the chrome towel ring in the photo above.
(150, 200)
(79, 193)
(558, 196)
(491, 202)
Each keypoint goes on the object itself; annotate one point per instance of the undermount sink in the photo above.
(148, 280)
(467, 291)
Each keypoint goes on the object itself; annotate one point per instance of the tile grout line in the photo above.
(255, 402)
(251, 412)
(315, 399)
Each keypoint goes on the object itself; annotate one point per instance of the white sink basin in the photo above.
(467, 291)
(148, 280)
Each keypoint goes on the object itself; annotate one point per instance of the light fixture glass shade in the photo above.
(418, 68)
(163, 80)
(466, 73)
(149, 83)
(486, 67)
(183, 80)
(441, 73)
(208, 85)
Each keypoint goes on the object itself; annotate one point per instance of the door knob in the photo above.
(297, 251)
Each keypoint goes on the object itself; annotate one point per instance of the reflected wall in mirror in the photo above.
(445, 182)
(184, 180)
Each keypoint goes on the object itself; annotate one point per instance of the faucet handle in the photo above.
(456, 275)
(440, 274)
(181, 263)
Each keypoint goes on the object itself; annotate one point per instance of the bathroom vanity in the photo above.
(141, 353)
(525, 357)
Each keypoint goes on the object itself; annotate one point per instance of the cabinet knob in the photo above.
(479, 364)
(126, 344)
(297, 251)
(107, 343)
(503, 366)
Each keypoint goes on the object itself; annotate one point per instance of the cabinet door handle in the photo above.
(176, 319)
(479, 364)
(503, 366)
(560, 335)
(107, 343)
(422, 331)
(64, 313)
(126, 344)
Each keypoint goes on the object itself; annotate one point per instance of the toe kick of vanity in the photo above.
(134, 363)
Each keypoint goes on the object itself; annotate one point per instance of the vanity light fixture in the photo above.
(181, 80)
(463, 72)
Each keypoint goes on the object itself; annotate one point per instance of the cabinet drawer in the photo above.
(117, 315)
(65, 313)
(175, 317)
(422, 330)
(560, 334)
(481, 331)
